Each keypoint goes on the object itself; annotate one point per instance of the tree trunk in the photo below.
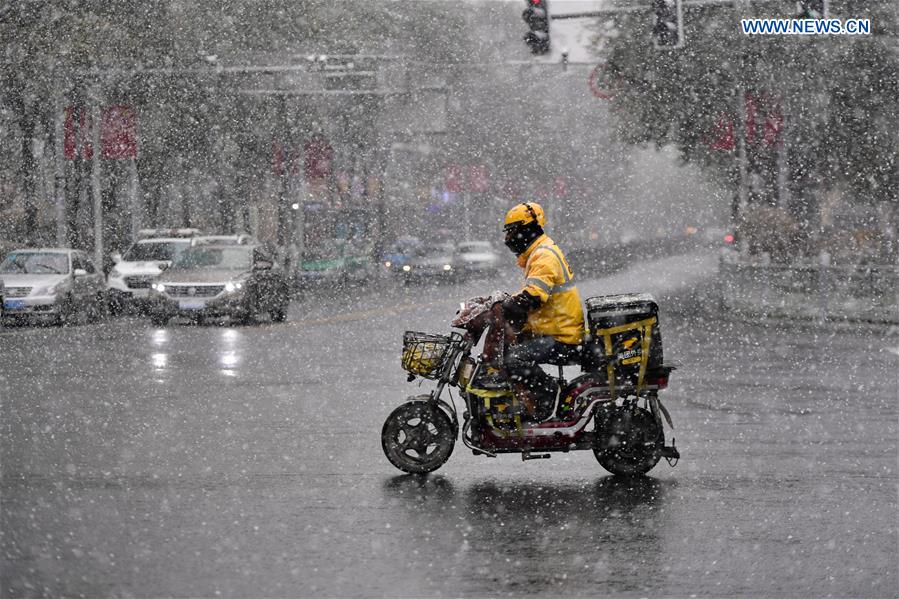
(27, 175)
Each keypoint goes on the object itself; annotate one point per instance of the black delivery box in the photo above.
(624, 330)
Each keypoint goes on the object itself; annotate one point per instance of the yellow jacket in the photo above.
(548, 277)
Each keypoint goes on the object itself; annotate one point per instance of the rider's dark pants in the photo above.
(524, 357)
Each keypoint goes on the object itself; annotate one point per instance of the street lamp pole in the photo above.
(96, 192)
(742, 199)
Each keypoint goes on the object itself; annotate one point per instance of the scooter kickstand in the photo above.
(527, 455)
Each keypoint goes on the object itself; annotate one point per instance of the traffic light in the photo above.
(668, 24)
(812, 9)
(536, 15)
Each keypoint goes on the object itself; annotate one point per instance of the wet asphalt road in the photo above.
(246, 462)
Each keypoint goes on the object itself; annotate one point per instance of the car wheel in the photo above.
(252, 309)
(242, 318)
(67, 312)
(159, 320)
(114, 306)
(279, 314)
(99, 310)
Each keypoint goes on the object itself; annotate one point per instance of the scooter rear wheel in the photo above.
(418, 437)
(629, 441)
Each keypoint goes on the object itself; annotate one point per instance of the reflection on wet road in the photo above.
(538, 538)
(245, 461)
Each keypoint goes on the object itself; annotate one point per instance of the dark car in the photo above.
(337, 263)
(432, 262)
(238, 281)
(399, 254)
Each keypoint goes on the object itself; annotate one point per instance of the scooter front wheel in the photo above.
(418, 437)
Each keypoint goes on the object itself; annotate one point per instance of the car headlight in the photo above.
(388, 264)
(159, 287)
(407, 268)
(447, 267)
(232, 286)
(48, 290)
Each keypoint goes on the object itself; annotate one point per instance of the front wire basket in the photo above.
(427, 355)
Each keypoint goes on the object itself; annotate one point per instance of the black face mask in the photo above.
(520, 237)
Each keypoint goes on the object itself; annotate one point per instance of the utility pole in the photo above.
(96, 194)
(59, 166)
(282, 209)
(742, 161)
(742, 154)
(783, 190)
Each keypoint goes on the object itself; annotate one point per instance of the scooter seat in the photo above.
(570, 356)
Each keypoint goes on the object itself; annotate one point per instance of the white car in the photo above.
(233, 239)
(51, 284)
(129, 281)
(478, 258)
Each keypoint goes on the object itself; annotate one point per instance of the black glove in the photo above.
(516, 308)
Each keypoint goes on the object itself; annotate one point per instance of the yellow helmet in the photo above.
(525, 213)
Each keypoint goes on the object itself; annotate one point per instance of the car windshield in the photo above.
(434, 250)
(37, 263)
(472, 247)
(230, 258)
(404, 247)
(155, 250)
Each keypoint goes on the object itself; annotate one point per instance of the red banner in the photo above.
(77, 133)
(771, 132)
(319, 157)
(751, 111)
(453, 179)
(278, 158)
(560, 188)
(118, 132)
(478, 180)
(722, 137)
